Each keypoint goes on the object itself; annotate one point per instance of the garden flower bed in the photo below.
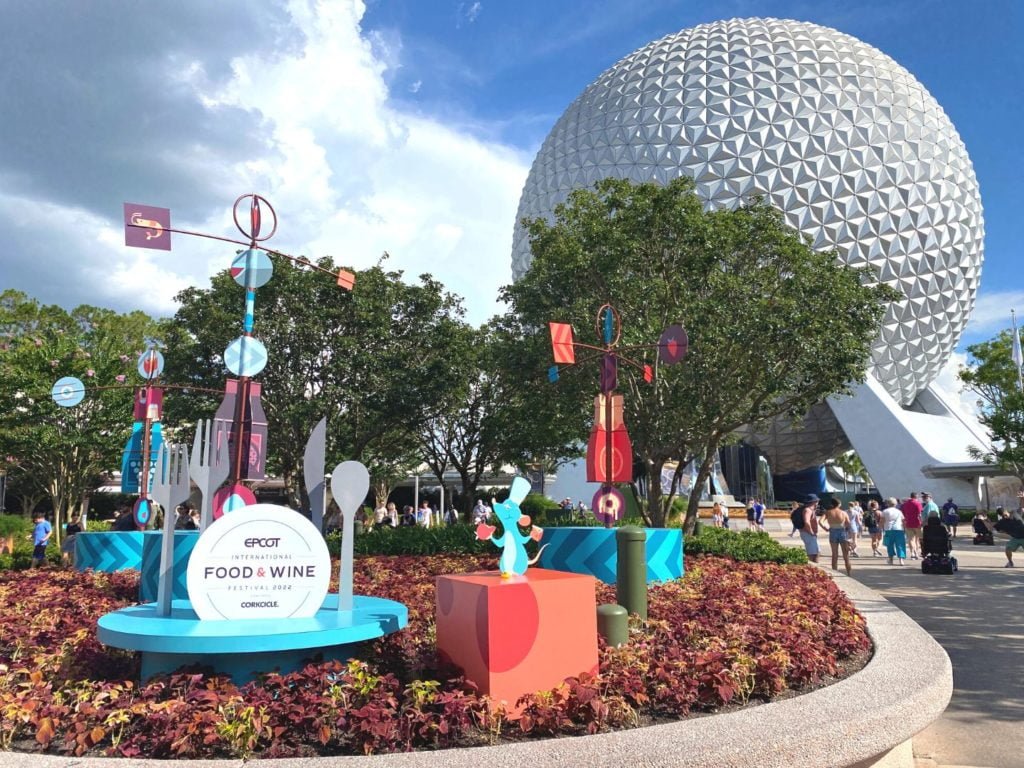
(726, 634)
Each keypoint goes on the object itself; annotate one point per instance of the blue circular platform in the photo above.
(243, 649)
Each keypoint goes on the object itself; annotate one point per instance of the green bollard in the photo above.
(631, 570)
(613, 624)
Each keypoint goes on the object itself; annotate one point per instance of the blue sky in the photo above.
(508, 70)
(405, 126)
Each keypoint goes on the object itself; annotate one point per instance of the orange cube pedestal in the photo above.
(518, 635)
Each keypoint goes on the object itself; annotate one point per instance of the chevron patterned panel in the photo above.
(594, 551)
(108, 551)
(184, 543)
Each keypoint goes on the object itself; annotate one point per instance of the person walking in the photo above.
(759, 510)
(1011, 526)
(716, 515)
(912, 521)
(839, 526)
(809, 529)
(67, 547)
(873, 523)
(480, 511)
(951, 516)
(40, 537)
(928, 507)
(856, 526)
(793, 507)
(424, 514)
(894, 533)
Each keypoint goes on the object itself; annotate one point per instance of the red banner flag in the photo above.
(346, 279)
(561, 343)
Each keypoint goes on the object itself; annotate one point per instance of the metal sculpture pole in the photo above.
(245, 357)
(608, 503)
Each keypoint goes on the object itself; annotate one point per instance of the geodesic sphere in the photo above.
(834, 133)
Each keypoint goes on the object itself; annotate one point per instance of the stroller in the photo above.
(982, 533)
(936, 547)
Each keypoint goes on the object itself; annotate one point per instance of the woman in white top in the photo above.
(894, 536)
(716, 515)
(856, 526)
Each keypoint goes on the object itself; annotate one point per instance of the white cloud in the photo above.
(992, 312)
(350, 173)
(948, 385)
(358, 177)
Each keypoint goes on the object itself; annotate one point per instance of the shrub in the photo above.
(414, 540)
(538, 507)
(14, 526)
(745, 546)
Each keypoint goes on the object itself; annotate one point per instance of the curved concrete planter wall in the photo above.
(890, 701)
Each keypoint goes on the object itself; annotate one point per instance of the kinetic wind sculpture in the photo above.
(138, 460)
(609, 451)
(240, 416)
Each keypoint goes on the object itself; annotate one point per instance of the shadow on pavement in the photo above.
(977, 616)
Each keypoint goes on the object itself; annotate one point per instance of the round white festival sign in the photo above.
(260, 562)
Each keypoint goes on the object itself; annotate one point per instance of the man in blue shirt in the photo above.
(759, 509)
(40, 538)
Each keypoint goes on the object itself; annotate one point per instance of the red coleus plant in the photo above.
(726, 633)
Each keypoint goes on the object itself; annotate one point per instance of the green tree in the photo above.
(992, 375)
(488, 415)
(774, 326)
(852, 466)
(58, 452)
(372, 360)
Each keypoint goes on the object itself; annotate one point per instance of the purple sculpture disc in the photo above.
(608, 504)
(673, 344)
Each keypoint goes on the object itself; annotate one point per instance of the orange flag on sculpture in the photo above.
(561, 343)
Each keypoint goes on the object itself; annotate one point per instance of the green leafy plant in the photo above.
(724, 634)
(14, 525)
(746, 546)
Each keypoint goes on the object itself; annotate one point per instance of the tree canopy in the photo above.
(774, 326)
(373, 360)
(488, 416)
(993, 376)
(63, 452)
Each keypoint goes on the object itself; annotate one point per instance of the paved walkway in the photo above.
(977, 616)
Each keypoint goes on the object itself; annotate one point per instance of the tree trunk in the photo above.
(654, 515)
(693, 507)
(468, 496)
